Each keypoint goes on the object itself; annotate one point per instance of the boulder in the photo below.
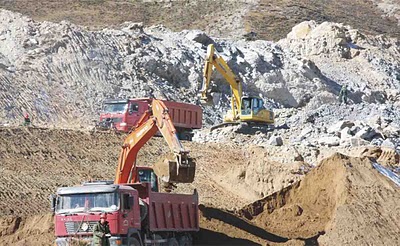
(389, 143)
(329, 141)
(200, 37)
(338, 126)
(356, 142)
(276, 141)
(345, 134)
(366, 133)
(391, 131)
(377, 141)
(354, 129)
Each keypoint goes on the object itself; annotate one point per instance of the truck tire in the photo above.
(134, 242)
(185, 241)
(173, 242)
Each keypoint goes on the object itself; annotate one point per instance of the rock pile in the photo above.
(61, 73)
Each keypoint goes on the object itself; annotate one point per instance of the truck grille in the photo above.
(73, 227)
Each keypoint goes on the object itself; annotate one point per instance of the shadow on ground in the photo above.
(207, 237)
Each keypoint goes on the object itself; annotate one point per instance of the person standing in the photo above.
(101, 232)
(27, 120)
(343, 94)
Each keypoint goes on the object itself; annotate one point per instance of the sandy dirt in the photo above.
(344, 200)
(246, 199)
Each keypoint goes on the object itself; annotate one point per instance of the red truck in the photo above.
(137, 212)
(124, 114)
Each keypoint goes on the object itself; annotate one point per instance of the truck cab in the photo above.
(122, 114)
(78, 209)
(135, 212)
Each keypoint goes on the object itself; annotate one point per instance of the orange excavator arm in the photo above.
(179, 168)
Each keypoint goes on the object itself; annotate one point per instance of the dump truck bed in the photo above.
(184, 115)
(173, 212)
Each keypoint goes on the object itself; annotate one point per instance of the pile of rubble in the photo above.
(312, 135)
(60, 73)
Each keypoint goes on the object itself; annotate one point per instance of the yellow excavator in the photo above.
(244, 109)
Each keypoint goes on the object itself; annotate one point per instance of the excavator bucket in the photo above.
(207, 101)
(176, 168)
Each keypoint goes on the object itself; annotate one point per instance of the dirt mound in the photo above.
(27, 231)
(34, 162)
(343, 195)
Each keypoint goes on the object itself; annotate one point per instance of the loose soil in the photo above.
(343, 195)
(335, 202)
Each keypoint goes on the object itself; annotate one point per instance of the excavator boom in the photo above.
(214, 60)
(177, 168)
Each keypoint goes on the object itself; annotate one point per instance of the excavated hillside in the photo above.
(61, 73)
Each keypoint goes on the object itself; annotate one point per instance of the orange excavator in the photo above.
(178, 167)
(138, 213)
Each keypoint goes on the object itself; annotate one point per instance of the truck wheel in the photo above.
(173, 242)
(134, 242)
(185, 241)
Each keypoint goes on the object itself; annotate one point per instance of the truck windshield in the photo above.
(73, 203)
(115, 107)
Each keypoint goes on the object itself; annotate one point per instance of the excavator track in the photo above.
(246, 127)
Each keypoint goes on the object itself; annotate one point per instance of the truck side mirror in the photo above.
(53, 199)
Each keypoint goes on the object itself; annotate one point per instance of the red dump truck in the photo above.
(122, 115)
(137, 213)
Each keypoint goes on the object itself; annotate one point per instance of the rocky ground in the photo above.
(70, 70)
(281, 186)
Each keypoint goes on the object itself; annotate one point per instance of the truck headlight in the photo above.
(115, 241)
(122, 124)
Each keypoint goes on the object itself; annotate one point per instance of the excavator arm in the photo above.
(177, 168)
(213, 59)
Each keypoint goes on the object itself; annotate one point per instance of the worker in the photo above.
(101, 232)
(27, 120)
(343, 94)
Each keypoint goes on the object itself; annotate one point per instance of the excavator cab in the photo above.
(253, 110)
(147, 175)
